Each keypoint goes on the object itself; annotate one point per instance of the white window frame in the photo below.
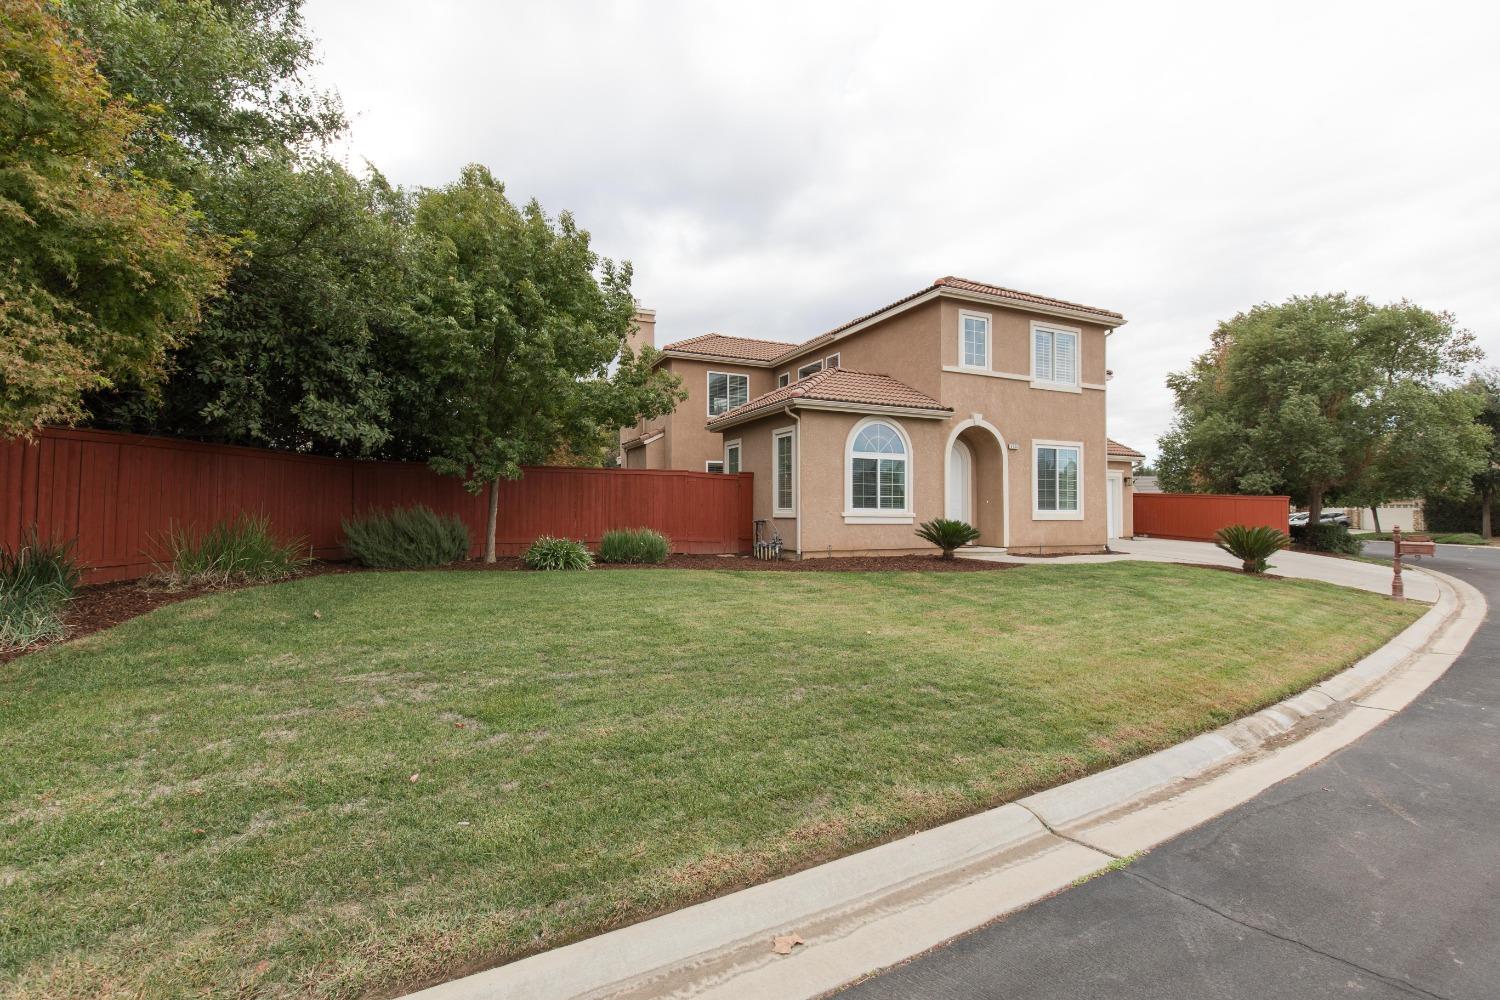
(708, 382)
(907, 514)
(783, 380)
(776, 436)
(989, 328)
(1037, 514)
(832, 361)
(1053, 384)
(739, 454)
(708, 466)
(816, 367)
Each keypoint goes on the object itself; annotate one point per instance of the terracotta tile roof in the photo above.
(1106, 316)
(1117, 450)
(734, 348)
(838, 385)
(983, 288)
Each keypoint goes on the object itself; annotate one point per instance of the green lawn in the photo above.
(1449, 538)
(349, 785)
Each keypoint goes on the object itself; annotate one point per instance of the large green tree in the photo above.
(1325, 396)
(226, 79)
(531, 324)
(104, 271)
(303, 350)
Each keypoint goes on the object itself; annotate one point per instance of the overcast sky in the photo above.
(775, 169)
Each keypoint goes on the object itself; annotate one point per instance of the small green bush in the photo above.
(37, 579)
(1251, 546)
(240, 550)
(639, 545)
(557, 553)
(406, 538)
(947, 534)
(1326, 538)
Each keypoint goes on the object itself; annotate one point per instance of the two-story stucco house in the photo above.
(962, 400)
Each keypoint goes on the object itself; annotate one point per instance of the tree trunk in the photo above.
(947, 553)
(489, 524)
(1314, 507)
(1484, 513)
(1375, 516)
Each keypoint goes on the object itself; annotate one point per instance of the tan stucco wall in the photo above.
(689, 442)
(905, 347)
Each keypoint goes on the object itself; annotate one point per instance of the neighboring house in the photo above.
(963, 400)
(1147, 484)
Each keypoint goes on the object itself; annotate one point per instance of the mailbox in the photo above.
(1417, 545)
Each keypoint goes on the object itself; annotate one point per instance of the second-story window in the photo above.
(809, 369)
(726, 390)
(783, 380)
(1054, 356)
(974, 340)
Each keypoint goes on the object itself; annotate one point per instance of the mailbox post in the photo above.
(1398, 589)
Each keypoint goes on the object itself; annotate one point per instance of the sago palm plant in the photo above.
(1251, 546)
(947, 534)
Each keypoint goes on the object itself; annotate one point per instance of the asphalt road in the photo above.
(1375, 874)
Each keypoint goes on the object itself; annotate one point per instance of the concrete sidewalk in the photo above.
(1295, 565)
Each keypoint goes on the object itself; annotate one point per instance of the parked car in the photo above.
(1327, 517)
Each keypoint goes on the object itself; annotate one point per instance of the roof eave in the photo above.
(719, 358)
(833, 405)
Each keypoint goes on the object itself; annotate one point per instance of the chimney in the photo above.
(642, 330)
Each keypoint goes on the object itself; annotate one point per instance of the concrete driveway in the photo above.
(1297, 565)
(1375, 874)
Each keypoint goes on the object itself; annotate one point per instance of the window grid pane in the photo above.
(974, 346)
(1043, 371)
(718, 392)
(1067, 479)
(865, 492)
(784, 473)
(892, 484)
(1046, 479)
(739, 390)
(1065, 351)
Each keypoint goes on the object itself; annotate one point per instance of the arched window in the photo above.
(878, 469)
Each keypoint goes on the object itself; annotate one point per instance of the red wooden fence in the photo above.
(117, 494)
(1196, 516)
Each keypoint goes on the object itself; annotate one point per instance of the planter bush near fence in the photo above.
(119, 494)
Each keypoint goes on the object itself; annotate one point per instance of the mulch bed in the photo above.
(106, 605)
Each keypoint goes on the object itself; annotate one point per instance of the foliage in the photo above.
(224, 77)
(406, 538)
(1445, 538)
(619, 743)
(104, 270)
(1474, 512)
(1326, 395)
(312, 341)
(550, 553)
(638, 545)
(947, 534)
(1324, 537)
(37, 579)
(240, 550)
(1448, 514)
(1251, 546)
(531, 321)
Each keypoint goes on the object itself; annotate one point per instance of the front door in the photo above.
(961, 483)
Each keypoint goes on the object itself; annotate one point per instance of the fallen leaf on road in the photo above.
(783, 945)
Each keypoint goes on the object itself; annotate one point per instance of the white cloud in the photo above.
(774, 169)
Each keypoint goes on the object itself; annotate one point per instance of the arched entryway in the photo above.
(974, 484)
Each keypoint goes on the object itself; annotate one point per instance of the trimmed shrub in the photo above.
(634, 545)
(406, 538)
(557, 553)
(37, 579)
(1251, 546)
(947, 534)
(240, 550)
(1326, 538)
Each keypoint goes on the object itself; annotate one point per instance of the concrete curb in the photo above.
(878, 907)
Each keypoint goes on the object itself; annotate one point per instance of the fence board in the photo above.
(1196, 516)
(118, 494)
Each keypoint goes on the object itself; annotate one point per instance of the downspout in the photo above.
(797, 472)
